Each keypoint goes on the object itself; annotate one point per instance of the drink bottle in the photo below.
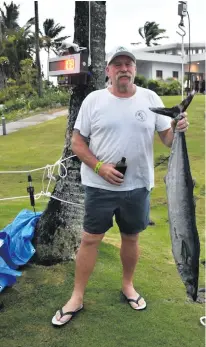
(121, 166)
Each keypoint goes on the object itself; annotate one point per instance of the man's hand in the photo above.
(108, 172)
(182, 124)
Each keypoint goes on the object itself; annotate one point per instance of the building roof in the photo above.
(172, 46)
(157, 53)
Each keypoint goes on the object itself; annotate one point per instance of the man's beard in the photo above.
(123, 88)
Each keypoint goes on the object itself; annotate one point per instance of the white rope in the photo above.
(50, 171)
(39, 195)
(50, 175)
(67, 202)
(71, 156)
(17, 172)
(203, 321)
(59, 162)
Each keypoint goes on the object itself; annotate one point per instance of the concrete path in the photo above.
(33, 120)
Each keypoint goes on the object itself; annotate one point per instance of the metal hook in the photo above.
(181, 28)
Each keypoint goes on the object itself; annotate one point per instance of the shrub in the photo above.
(167, 87)
(15, 104)
(13, 91)
(155, 86)
(174, 88)
(49, 99)
(27, 90)
(11, 82)
(170, 87)
(141, 81)
(29, 100)
(8, 93)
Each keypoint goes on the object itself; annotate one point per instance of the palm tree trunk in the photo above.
(48, 56)
(58, 231)
(38, 63)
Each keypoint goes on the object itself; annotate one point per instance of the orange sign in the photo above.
(70, 64)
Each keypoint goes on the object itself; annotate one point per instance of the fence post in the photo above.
(3, 120)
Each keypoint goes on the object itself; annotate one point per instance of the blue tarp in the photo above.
(15, 246)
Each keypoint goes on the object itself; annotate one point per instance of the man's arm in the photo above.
(81, 149)
(167, 136)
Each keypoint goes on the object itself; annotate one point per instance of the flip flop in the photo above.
(142, 307)
(71, 315)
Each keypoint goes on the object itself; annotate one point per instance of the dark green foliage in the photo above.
(151, 33)
(141, 81)
(168, 87)
(154, 85)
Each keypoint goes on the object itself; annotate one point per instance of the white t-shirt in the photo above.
(121, 127)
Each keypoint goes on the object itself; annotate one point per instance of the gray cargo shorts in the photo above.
(130, 208)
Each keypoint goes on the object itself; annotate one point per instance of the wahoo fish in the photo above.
(181, 205)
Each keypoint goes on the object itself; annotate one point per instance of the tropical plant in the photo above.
(9, 17)
(4, 61)
(28, 71)
(17, 46)
(16, 43)
(151, 33)
(50, 39)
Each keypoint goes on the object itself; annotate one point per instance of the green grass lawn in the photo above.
(21, 114)
(170, 319)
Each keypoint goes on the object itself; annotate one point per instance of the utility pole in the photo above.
(2, 79)
(38, 64)
(1, 21)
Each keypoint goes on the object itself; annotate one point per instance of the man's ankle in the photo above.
(127, 285)
(77, 297)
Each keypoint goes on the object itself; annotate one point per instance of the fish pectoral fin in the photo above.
(169, 112)
(173, 112)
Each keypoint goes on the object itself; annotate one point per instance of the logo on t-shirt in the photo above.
(141, 116)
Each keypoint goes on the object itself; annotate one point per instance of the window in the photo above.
(175, 74)
(158, 73)
(197, 51)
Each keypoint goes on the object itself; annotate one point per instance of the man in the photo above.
(197, 82)
(119, 124)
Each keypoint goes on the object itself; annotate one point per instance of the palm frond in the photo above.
(60, 39)
(55, 31)
(141, 30)
(47, 25)
(150, 32)
(50, 38)
(135, 43)
(160, 37)
(11, 15)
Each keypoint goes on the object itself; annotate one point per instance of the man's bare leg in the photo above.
(129, 254)
(85, 262)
